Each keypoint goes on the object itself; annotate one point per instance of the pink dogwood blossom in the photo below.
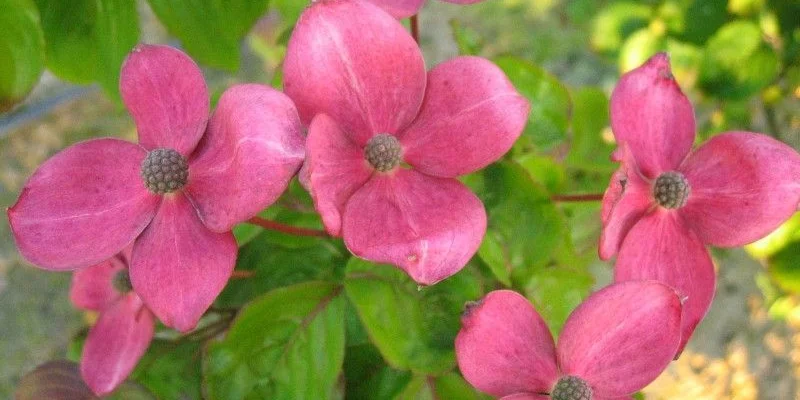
(407, 8)
(665, 202)
(386, 142)
(123, 330)
(175, 195)
(614, 343)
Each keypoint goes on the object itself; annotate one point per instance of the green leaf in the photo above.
(469, 41)
(171, 369)
(550, 102)
(21, 51)
(87, 40)
(277, 264)
(210, 30)
(453, 386)
(767, 246)
(589, 148)
(737, 63)
(616, 22)
(638, 47)
(449, 386)
(413, 327)
(784, 269)
(524, 227)
(368, 377)
(556, 291)
(701, 19)
(286, 345)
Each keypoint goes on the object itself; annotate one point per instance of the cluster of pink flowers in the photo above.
(147, 225)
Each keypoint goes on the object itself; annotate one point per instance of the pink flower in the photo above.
(615, 343)
(123, 330)
(386, 142)
(666, 202)
(407, 8)
(174, 196)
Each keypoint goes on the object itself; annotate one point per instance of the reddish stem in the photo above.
(242, 274)
(291, 230)
(414, 27)
(564, 198)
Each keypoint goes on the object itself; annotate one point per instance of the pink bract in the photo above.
(369, 82)
(617, 341)
(407, 8)
(123, 330)
(90, 201)
(732, 190)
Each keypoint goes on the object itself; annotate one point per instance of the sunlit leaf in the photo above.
(21, 50)
(616, 22)
(286, 345)
(210, 30)
(87, 40)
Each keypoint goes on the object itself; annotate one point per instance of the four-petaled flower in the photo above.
(124, 327)
(614, 343)
(407, 8)
(666, 202)
(386, 142)
(175, 195)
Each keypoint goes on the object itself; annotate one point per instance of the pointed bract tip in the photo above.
(660, 62)
(469, 307)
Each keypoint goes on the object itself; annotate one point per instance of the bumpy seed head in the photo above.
(164, 171)
(671, 190)
(571, 388)
(122, 281)
(383, 152)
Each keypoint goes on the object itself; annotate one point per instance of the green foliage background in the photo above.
(315, 323)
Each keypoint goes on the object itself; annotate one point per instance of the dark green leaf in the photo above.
(286, 345)
(87, 40)
(550, 102)
(276, 263)
(524, 229)
(21, 50)
(413, 327)
(171, 369)
(368, 377)
(210, 30)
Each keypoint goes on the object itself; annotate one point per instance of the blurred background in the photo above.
(737, 60)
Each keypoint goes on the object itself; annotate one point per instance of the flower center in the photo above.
(671, 190)
(122, 281)
(383, 152)
(164, 171)
(571, 388)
